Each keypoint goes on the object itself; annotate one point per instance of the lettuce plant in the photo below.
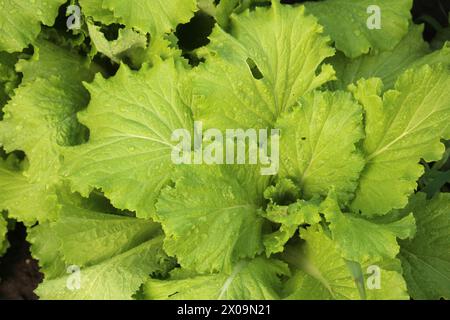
(357, 209)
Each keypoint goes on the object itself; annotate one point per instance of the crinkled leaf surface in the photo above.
(46, 248)
(115, 254)
(21, 21)
(403, 126)
(359, 239)
(317, 145)
(440, 56)
(153, 16)
(426, 258)
(116, 50)
(386, 65)
(289, 217)
(226, 8)
(132, 47)
(350, 31)
(229, 227)
(90, 237)
(159, 48)
(411, 52)
(39, 125)
(324, 275)
(251, 75)
(40, 119)
(117, 278)
(50, 60)
(253, 279)
(9, 79)
(24, 200)
(42, 115)
(96, 10)
(131, 118)
(210, 217)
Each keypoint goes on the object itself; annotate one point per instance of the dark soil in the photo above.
(19, 273)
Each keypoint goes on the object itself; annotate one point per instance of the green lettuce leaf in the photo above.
(226, 8)
(154, 16)
(128, 40)
(386, 65)
(210, 229)
(3, 232)
(411, 52)
(159, 48)
(426, 258)
(40, 126)
(290, 217)
(114, 254)
(46, 248)
(346, 22)
(131, 118)
(360, 239)
(97, 10)
(250, 76)
(24, 200)
(21, 21)
(40, 119)
(403, 126)
(91, 119)
(322, 274)
(50, 59)
(131, 47)
(250, 279)
(437, 174)
(9, 79)
(318, 144)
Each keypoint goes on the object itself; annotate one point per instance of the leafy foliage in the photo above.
(86, 135)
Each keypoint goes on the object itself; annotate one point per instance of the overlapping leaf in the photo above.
(154, 16)
(323, 274)
(131, 118)
(50, 59)
(24, 200)
(40, 119)
(317, 144)
(97, 10)
(289, 217)
(230, 232)
(254, 279)
(21, 21)
(210, 217)
(359, 239)
(226, 8)
(115, 50)
(252, 74)
(411, 52)
(426, 258)
(9, 79)
(403, 126)
(114, 254)
(131, 47)
(350, 31)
